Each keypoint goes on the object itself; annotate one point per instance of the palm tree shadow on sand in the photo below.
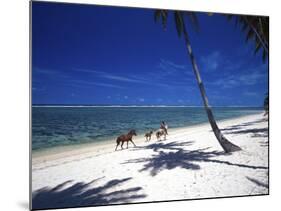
(82, 194)
(156, 147)
(258, 183)
(254, 132)
(174, 156)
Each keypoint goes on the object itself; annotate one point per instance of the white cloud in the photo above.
(250, 94)
(211, 61)
(171, 68)
(87, 83)
(166, 64)
(157, 77)
(113, 77)
(122, 78)
(51, 73)
(246, 79)
(110, 76)
(252, 78)
(148, 79)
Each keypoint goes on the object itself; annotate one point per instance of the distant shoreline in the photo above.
(145, 106)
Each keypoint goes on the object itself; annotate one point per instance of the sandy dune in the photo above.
(189, 164)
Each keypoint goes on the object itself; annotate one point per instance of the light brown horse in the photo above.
(125, 138)
(148, 135)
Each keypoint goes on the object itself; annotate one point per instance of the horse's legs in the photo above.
(159, 137)
(117, 146)
(132, 142)
(127, 144)
(122, 144)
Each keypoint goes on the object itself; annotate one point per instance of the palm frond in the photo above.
(256, 29)
(194, 20)
(163, 15)
(264, 56)
(157, 15)
(179, 22)
(258, 46)
(250, 35)
(179, 19)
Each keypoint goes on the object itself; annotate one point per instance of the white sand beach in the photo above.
(189, 164)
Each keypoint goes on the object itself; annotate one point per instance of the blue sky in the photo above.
(85, 54)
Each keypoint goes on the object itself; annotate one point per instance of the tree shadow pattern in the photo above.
(257, 182)
(238, 129)
(175, 145)
(84, 194)
(186, 159)
(246, 124)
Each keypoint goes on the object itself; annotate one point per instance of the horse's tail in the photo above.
(118, 140)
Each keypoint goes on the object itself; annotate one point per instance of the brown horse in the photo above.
(159, 133)
(125, 138)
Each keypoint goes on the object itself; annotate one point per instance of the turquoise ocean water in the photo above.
(63, 126)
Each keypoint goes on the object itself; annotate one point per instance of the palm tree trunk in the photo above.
(225, 144)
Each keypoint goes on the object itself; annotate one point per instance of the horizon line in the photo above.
(61, 105)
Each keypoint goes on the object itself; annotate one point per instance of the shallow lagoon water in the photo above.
(64, 126)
